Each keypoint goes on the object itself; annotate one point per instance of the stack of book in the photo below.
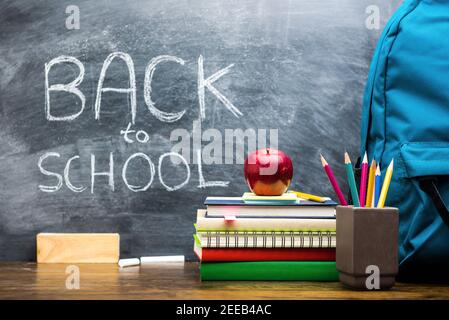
(266, 238)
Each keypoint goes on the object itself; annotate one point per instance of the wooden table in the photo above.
(176, 281)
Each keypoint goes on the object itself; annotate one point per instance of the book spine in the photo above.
(270, 270)
(248, 224)
(270, 211)
(267, 240)
(262, 254)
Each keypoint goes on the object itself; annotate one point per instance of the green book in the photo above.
(270, 270)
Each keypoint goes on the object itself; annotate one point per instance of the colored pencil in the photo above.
(351, 181)
(370, 189)
(363, 177)
(333, 181)
(308, 196)
(377, 186)
(385, 186)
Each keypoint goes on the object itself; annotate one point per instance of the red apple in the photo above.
(268, 172)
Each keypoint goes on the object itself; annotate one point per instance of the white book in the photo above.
(235, 206)
(262, 224)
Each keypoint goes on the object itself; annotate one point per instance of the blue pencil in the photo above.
(377, 186)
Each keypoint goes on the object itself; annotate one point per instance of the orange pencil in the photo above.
(371, 178)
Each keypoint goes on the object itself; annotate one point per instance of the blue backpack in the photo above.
(406, 117)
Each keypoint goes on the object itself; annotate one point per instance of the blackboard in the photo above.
(295, 66)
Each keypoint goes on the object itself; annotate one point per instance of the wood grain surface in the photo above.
(176, 281)
(78, 247)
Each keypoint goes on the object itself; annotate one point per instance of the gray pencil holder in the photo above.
(367, 247)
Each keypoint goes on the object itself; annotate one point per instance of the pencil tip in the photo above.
(323, 161)
(347, 159)
(365, 158)
(391, 163)
(373, 162)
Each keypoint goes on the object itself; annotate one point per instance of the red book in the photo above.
(265, 254)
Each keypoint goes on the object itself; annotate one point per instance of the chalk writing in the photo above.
(179, 156)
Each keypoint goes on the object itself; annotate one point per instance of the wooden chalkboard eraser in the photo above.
(78, 247)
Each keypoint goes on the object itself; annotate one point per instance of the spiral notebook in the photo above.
(261, 239)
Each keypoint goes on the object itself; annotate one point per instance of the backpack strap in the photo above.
(429, 185)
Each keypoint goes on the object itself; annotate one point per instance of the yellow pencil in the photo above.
(308, 196)
(385, 185)
(371, 176)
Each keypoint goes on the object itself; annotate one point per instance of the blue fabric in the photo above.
(406, 117)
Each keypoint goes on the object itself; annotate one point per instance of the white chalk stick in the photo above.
(161, 259)
(128, 262)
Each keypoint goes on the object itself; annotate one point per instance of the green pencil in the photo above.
(351, 181)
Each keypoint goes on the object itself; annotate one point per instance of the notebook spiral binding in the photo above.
(258, 239)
